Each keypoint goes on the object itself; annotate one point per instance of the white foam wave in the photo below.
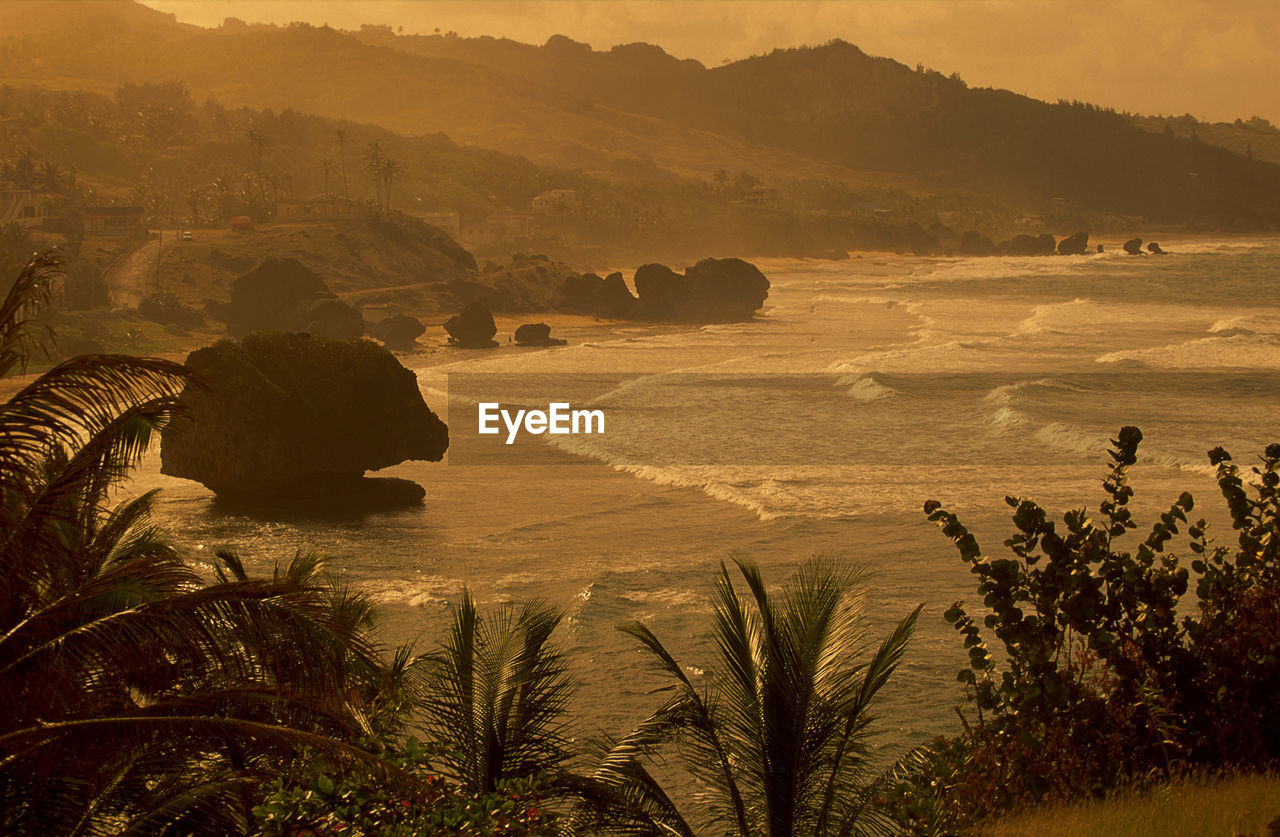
(1237, 350)
(866, 388)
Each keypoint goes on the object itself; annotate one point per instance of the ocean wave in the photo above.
(866, 388)
(1237, 350)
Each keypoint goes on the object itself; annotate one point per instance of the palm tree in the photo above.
(136, 695)
(375, 157)
(494, 695)
(778, 736)
(389, 171)
(340, 136)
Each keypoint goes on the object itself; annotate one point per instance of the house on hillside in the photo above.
(115, 220)
(557, 202)
(21, 206)
(450, 222)
(319, 208)
(509, 226)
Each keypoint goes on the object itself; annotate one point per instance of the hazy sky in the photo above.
(1214, 58)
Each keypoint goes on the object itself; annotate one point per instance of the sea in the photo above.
(861, 390)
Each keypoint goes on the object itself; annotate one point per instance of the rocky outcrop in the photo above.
(537, 334)
(1074, 245)
(472, 328)
(399, 332)
(589, 294)
(295, 420)
(1133, 247)
(283, 295)
(974, 243)
(1023, 244)
(713, 290)
(1155, 249)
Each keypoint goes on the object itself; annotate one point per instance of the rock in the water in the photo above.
(974, 243)
(1074, 245)
(399, 332)
(589, 294)
(537, 334)
(473, 328)
(294, 420)
(1133, 247)
(1029, 245)
(284, 295)
(1155, 249)
(713, 290)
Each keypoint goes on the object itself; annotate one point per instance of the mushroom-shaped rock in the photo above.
(1074, 245)
(1155, 249)
(537, 334)
(472, 328)
(295, 420)
(398, 332)
(1133, 247)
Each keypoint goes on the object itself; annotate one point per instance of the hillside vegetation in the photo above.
(828, 113)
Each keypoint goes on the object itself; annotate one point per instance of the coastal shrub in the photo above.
(1105, 672)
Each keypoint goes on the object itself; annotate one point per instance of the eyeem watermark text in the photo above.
(559, 419)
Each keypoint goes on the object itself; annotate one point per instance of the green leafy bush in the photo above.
(1105, 672)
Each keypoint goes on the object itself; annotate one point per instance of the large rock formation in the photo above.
(1023, 244)
(1074, 245)
(473, 328)
(589, 294)
(295, 420)
(537, 334)
(1133, 246)
(399, 332)
(713, 290)
(284, 295)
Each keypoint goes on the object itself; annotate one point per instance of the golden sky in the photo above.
(1216, 59)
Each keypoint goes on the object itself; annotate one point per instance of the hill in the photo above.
(829, 113)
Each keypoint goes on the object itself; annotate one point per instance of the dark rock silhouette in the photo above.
(974, 243)
(288, 420)
(1074, 245)
(589, 294)
(1133, 247)
(399, 332)
(1023, 244)
(1155, 249)
(713, 290)
(473, 328)
(1100, 248)
(537, 334)
(283, 295)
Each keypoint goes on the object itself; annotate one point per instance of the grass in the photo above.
(1217, 807)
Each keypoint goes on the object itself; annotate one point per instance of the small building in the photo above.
(450, 222)
(508, 226)
(23, 207)
(115, 220)
(241, 223)
(318, 208)
(557, 202)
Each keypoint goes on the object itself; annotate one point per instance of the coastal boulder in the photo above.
(1074, 245)
(1133, 247)
(713, 290)
(1023, 244)
(537, 334)
(587, 293)
(974, 243)
(1155, 249)
(472, 328)
(295, 420)
(284, 295)
(399, 332)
